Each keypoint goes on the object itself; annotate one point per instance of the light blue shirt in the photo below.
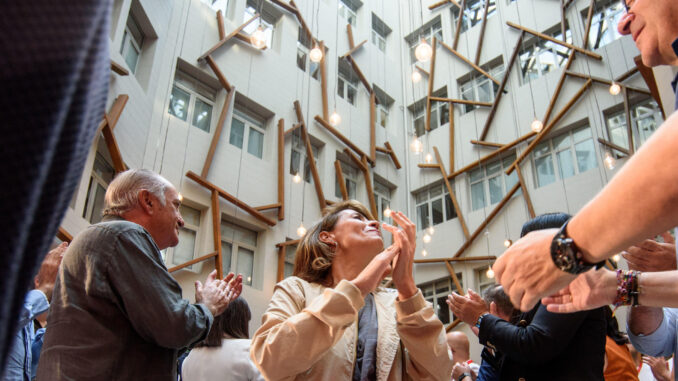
(19, 358)
(661, 342)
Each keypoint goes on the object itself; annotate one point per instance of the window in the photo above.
(480, 88)
(539, 56)
(192, 100)
(132, 42)
(571, 153)
(347, 82)
(348, 10)
(299, 153)
(303, 60)
(266, 21)
(188, 236)
(350, 179)
(439, 114)
(238, 248)
(382, 115)
(473, 13)
(217, 5)
(484, 282)
(434, 206)
(246, 130)
(290, 252)
(382, 197)
(645, 118)
(431, 29)
(379, 32)
(490, 183)
(436, 293)
(102, 175)
(604, 23)
(383, 106)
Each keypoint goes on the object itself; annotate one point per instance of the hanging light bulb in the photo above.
(616, 258)
(489, 272)
(259, 38)
(426, 238)
(609, 161)
(428, 158)
(423, 52)
(615, 88)
(315, 54)
(416, 76)
(487, 233)
(416, 146)
(430, 230)
(301, 230)
(424, 252)
(387, 212)
(537, 125)
(296, 178)
(335, 119)
(508, 243)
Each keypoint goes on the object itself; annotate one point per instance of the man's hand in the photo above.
(660, 369)
(217, 294)
(49, 268)
(527, 272)
(589, 290)
(651, 255)
(459, 369)
(467, 308)
(375, 271)
(405, 237)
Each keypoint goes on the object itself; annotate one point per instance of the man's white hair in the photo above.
(122, 193)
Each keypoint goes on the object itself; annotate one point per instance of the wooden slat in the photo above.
(526, 194)
(217, 134)
(118, 69)
(441, 3)
(230, 35)
(341, 180)
(457, 30)
(302, 22)
(487, 144)
(462, 259)
(191, 262)
(563, 21)
(341, 137)
(113, 149)
(614, 146)
(353, 49)
(627, 75)
(453, 325)
(559, 87)
(393, 155)
(282, 250)
(432, 166)
(430, 84)
(356, 160)
(482, 33)
(314, 170)
(421, 70)
(220, 76)
(629, 124)
(288, 243)
(650, 81)
(220, 25)
(461, 101)
(492, 155)
(555, 41)
(360, 74)
(453, 196)
(606, 82)
(268, 207)
(323, 82)
(370, 189)
(453, 275)
(349, 32)
(373, 132)
(450, 113)
(230, 198)
(294, 128)
(116, 110)
(548, 127)
(281, 169)
(63, 235)
(500, 91)
(382, 150)
(589, 18)
(216, 234)
(285, 6)
(476, 67)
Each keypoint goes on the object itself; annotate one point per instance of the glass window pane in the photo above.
(450, 213)
(422, 216)
(301, 59)
(351, 93)
(179, 103)
(98, 203)
(226, 256)
(202, 115)
(493, 167)
(443, 309)
(436, 191)
(350, 187)
(561, 142)
(581, 134)
(245, 265)
(496, 193)
(477, 196)
(294, 162)
(541, 149)
(183, 252)
(237, 132)
(586, 155)
(565, 164)
(255, 143)
(190, 215)
(545, 173)
(132, 57)
(476, 174)
(437, 211)
(419, 126)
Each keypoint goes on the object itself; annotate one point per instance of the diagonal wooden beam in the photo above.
(486, 144)
(64, 235)
(526, 194)
(268, 207)
(341, 137)
(314, 170)
(555, 41)
(614, 146)
(230, 198)
(217, 134)
(353, 49)
(606, 82)
(476, 67)
(457, 30)
(191, 262)
(492, 155)
(341, 180)
(460, 101)
(373, 132)
(453, 325)
(500, 91)
(113, 149)
(349, 32)
(282, 250)
(225, 39)
(118, 69)
(288, 243)
(216, 234)
(455, 279)
(281, 169)
(650, 81)
(452, 259)
(453, 197)
(589, 18)
(482, 32)
(286, 7)
(356, 160)
(220, 76)
(392, 154)
(370, 190)
(360, 74)
(430, 85)
(559, 87)
(441, 3)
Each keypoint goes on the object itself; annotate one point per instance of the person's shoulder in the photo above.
(295, 284)
(117, 226)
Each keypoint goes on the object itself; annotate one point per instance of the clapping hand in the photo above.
(216, 294)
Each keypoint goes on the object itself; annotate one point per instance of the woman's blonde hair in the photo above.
(313, 259)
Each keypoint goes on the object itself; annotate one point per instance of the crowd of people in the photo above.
(104, 307)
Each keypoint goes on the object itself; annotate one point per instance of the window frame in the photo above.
(171, 252)
(426, 34)
(637, 138)
(344, 9)
(476, 81)
(503, 163)
(350, 174)
(299, 147)
(445, 205)
(601, 15)
(477, 6)
(420, 115)
(344, 85)
(438, 299)
(129, 41)
(249, 123)
(269, 28)
(194, 95)
(88, 210)
(235, 245)
(529, 54)
(553, 153)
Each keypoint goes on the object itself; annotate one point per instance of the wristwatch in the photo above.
(567, 256)
(463, 376)
(480, 319)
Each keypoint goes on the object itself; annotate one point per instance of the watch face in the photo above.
(562, 254)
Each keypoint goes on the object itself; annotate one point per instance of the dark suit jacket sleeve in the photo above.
(150, 297)
(539, 342)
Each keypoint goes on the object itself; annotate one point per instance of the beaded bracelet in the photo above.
(627, 288)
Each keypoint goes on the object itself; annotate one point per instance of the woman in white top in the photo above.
(225, 353)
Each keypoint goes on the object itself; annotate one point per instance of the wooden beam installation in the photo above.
(421, 70)
(286, 7)
(114, 113)
(482, 32)
(294, 128)
(230, 198)
(548, 127)
(650, 81)
(323, 82)
(341, 180)
(357, 161)
(500, 91)
(282, 251)
(559, 87)
(461, 101)
(476, 67)
(118, 69)
(220, 76)
(589, 18)
(341, 137)
(373, 132)
(314, 170)
(360, 74)
(288, 243)
(492, 155)
(113, 149)
(441, 3)
(604, 81)
(192, 262)
(430, 85)
(487, 144)
(453, 325)
(392, 154)
(281, 169)
(353, 49)
(63, 235)
(230, 35)
(526, 194)
(217, 134)
(458, 28)
(614, 146)
(450, 113)
(555, 41)
(370, 189)
(629, 124)
(349, 32)
(453, 275)
(453, 259)
(627, 75)
(216, 234)
(268, 207)
(220, 25)
(453, 196)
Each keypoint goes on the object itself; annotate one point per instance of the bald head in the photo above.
(459, 345)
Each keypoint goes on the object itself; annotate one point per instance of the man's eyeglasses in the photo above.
(628, 4)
